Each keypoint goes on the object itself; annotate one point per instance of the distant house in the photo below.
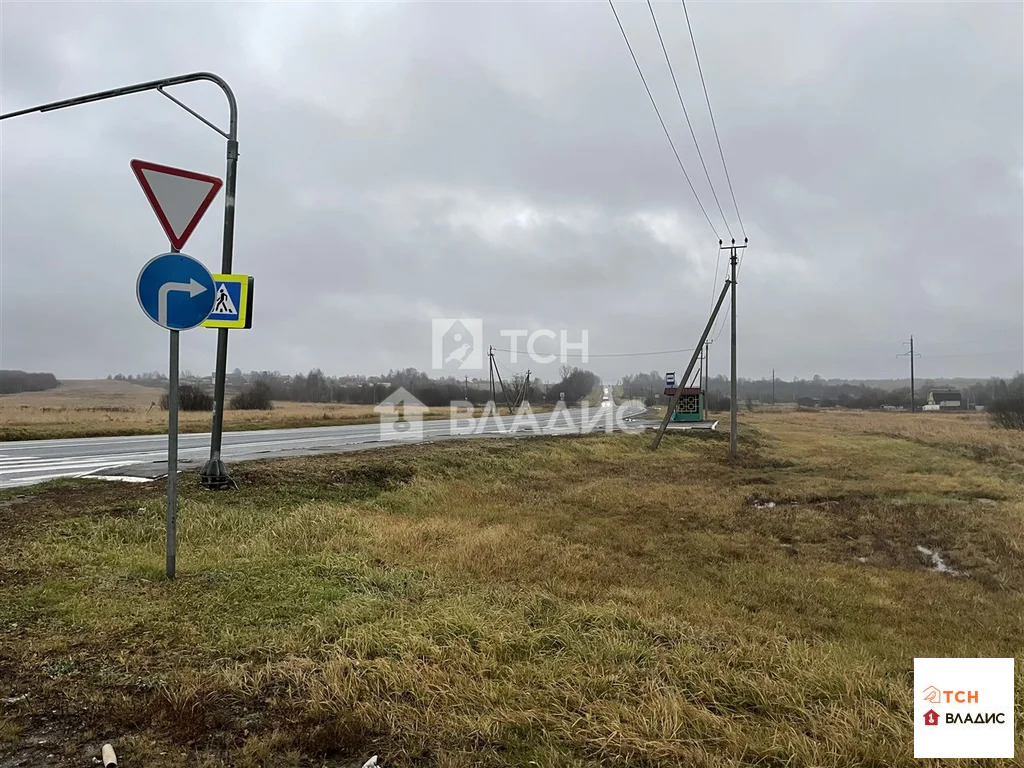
(808, 402)
(945, 400)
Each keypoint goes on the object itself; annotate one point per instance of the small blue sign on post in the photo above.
(232, 307)
(175, 291)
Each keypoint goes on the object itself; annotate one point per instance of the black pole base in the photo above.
(215, 477)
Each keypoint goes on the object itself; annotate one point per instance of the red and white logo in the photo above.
(972, 699)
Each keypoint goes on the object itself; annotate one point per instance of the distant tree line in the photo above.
(261, 388)
(148, 379)
(857, 395)
(12, 382)
(1007, 407)
(827, 393)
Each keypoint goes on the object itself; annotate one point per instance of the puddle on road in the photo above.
(938, 564)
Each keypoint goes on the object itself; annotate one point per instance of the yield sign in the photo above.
(179, 197)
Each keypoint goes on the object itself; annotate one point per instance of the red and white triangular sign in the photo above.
(179, 197)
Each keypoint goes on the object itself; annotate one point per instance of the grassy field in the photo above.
(97, 408)
(549, 602)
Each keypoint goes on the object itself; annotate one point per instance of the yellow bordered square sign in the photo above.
(232, 304)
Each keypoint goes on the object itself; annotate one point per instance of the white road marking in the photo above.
(122, 478)
(242, 446)
(8, 467)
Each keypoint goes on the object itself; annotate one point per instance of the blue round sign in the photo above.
(175, 291)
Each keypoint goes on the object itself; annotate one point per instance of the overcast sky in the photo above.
(502, 161)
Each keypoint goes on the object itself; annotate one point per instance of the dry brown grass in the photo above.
(555, 602)
(967, 435)
(89, 408)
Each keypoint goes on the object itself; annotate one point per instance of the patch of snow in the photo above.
(938, 564)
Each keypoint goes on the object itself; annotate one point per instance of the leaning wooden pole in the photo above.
(689, 369)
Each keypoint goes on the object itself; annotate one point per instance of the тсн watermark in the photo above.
(401, 418)
(457, 343)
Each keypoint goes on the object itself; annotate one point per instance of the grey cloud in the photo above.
(502, 161)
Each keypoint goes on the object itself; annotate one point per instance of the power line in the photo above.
(507, 368)
(615, 354)
(718, 263)
(712, 114)
(696, 145)
(686, 114)
(662, 121)
(720, 328)
(970, 354)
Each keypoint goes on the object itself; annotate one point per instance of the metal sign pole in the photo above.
(214, 474)
(171, 544)
(177, 293)
(172, 458)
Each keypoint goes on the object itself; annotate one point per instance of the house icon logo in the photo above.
(932, 695)
(931, 717)
(401, 416)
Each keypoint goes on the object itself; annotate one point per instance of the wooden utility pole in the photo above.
(912, 406)
(700, 382)
(494, 370)
(707, 374)
(490, 369)
(674, 400)
(732, 394)
(911, 355)
(773, 386)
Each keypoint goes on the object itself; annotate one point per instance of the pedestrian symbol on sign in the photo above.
(224, 305)
(232, 303)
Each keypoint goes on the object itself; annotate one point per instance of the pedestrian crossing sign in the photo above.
(232, 304)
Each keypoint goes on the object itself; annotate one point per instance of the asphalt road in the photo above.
(144, 457)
